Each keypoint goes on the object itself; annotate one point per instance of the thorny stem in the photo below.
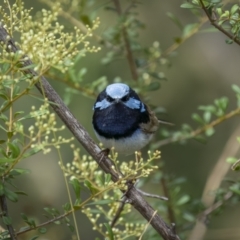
(199, 130)
(216, 25)
(129, 53)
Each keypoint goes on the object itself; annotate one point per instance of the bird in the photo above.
(121, 120)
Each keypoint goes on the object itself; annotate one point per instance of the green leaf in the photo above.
(235, 188)
(34, 238)
(76, 187)
(107, 178)
(15, 150)
(101, 202)
(207, 117)
(67, 207)
(89, 185)
(42, 230)
(197, 118)
(188, 5)
(153, 86)
(234, 9)
(209, 132)
(6, 160)
(189, 217)
(183, 200)
(175, 20)
(109, 230)
(31, 152)
(189, 28)
(236, 88)
(24, 217)
(12, 196)
(231, 160)
(7, 220)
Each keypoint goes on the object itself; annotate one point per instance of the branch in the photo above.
(135, 198)
(199, 130)
(4, 207)
(220, 28)
(130, 57)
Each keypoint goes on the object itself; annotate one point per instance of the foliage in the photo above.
(57, 50)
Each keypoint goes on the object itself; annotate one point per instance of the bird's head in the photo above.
(118, 93)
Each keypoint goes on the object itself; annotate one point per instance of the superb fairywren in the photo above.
(121, 120)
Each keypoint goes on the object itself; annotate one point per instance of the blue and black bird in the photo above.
(121, 120)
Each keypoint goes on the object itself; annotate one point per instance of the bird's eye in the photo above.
(125, 98)
(110, 99)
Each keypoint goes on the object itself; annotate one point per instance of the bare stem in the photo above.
(130, 57)
(171, 215)
(4, 207)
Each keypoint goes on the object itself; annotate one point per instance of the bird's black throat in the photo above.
(118, 121)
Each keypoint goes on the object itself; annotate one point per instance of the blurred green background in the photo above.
(202, 69)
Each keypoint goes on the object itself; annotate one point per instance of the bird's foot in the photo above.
(103, 153)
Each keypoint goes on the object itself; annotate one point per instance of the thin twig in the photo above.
(130, 57)
(150, 195)
(120, 209)
(216, 25)
(199, 130)
(213, 182)
(171, 215)
(135, 198)
(45, 223)
(4, 207)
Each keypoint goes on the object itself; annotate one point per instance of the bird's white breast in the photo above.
(129, 144)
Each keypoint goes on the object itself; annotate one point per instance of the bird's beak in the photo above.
(117, 100)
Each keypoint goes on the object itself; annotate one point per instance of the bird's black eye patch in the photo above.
(125, 98)
(109, 99)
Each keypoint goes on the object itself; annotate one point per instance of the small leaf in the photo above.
(236, 88)
(76, 187)
(188, 5)
(175, 20)
(234, 8)
(31, 152)
(183, 200)
(15, 150)
(189, 28)
(67, 207)
(207, 117)
(231, 160)
(7, 220)
(189, 217)
(209, 132)
(153, 86)
(89, 185)
(107, 178)
(12, 196)
(34, 238)
(197, 118)
(101, 202)
(109, 230)
(42, 230)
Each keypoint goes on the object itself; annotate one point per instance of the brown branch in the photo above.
(135, 198)
(216, 25)
(4, 207)
(199, 130)
(130, 57)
